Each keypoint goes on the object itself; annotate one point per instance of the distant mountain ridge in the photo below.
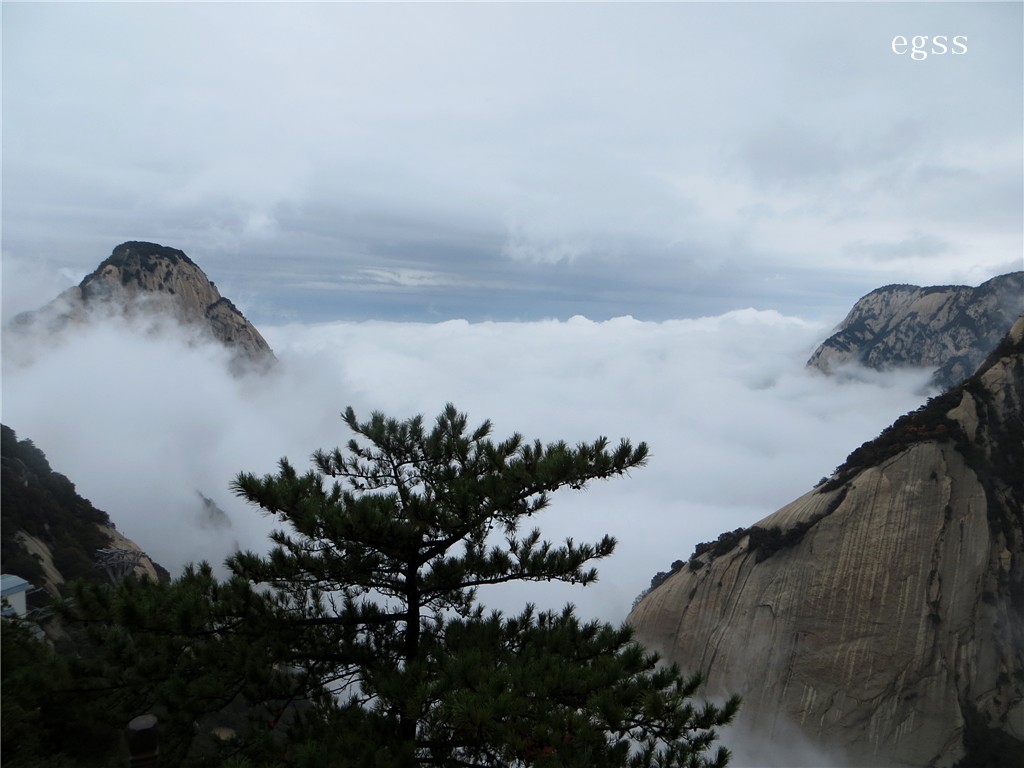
(140, 276)
(950, 328)
(881, 614)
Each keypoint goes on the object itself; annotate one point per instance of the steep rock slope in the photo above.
(141, 276)
(951, 328)
(49, 534)
(882, 613)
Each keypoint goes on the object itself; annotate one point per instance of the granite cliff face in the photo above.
(881, 615)
(146, 277)
(950, 328)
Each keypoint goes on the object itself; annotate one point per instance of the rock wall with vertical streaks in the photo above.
(882, 613)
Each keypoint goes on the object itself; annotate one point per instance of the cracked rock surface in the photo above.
(146, 279)
(881, 614)
(949, 328)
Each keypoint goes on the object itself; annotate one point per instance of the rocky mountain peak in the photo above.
(880, 615)
(147, 268)
(141, 276)
(948, 328)
(140, 253)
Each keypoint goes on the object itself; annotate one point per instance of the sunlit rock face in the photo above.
(151, 278)
(949, 328)
(881, 615)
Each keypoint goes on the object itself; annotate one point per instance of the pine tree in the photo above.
(361, 632)
(391, 541)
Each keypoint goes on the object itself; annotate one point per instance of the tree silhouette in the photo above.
(361, 635)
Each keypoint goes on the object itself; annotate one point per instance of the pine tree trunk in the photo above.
(409, 718)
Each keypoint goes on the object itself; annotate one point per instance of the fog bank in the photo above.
(148, 421)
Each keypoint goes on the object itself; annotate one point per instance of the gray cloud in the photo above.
(518, 144)
(143, 418)
(786, 154)
(917, 245)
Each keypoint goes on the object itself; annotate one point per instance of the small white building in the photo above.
(13, 590)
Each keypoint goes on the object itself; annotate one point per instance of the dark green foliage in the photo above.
(192, 651)
(765, 542)
(723, 544)
(46, 719)
(978, 319)
(988, 746)
(770, 538)
(223, 302)
(133, 260)
(359, 639)
(1002, 461)
(660, 577)
(998, 459)
(44, 504)
(552, 690)
(140, 256)
(929, 422)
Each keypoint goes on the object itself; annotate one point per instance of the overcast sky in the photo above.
(514, 161)
(575, 219)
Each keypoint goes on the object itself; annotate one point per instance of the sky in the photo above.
(575, 219)
(518, 161)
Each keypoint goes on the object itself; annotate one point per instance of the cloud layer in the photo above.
(678, 159)
(148, 422)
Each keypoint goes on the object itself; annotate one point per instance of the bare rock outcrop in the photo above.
(949, 328)
(881, 614)
(146, 277)
(50, 535)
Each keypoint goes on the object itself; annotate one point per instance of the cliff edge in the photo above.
(882, 613)
(949, 328)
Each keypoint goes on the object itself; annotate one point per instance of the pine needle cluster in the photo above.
(359, 639)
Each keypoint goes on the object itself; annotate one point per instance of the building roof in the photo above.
(12, 585)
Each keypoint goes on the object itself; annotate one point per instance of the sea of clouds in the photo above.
(147, 420)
